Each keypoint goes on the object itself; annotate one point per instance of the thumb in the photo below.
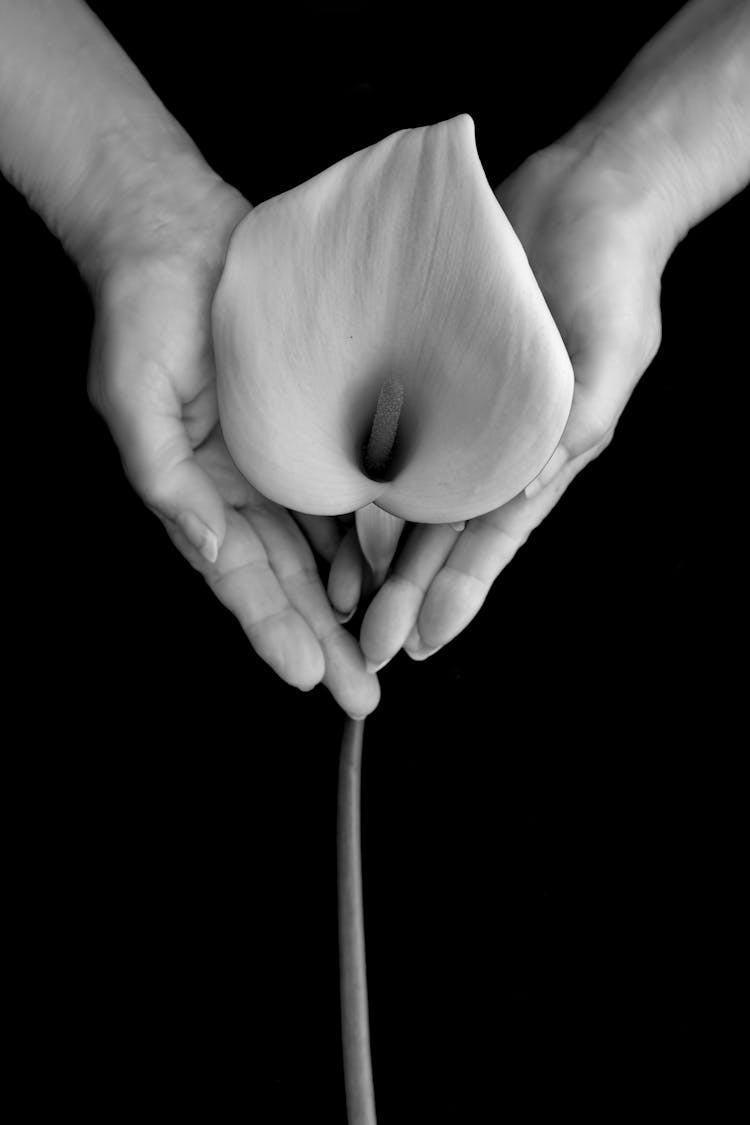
(190, 499)
(160, 463)
(601, 390)
(183, 494)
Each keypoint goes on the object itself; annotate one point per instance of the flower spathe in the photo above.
(395, 265)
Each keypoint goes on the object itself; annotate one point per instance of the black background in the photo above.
(549, 816)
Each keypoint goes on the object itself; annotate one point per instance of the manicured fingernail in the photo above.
(459, 526)
(341, 617)
(201, 536)
(424, 652)
(372, 668)
(356, 718)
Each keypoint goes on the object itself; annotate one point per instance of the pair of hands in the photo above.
(594, 246)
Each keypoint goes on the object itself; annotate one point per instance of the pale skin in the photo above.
(117, 179)
(147, 221)
(598, 214)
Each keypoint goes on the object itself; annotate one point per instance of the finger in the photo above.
(393, 611)
(355, 689)
(146, 423)
(324, 532)
(345, 577)
(245, 582)
(483, 550)
(344, 673)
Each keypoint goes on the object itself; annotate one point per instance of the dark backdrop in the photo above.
(548, 820)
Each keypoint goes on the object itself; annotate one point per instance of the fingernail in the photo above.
(459, 526)
(356, 718)
(372, 668)
(342, 617)
(424, 652)
(201, 536)
(533, 489)
(413, 640)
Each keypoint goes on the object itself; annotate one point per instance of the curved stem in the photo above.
(360, 1097)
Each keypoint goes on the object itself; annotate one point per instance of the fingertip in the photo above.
(344, 586)
(308, 679)
(424, 652)
(346, 676)
(387, 622)
(297, 657)
(360, 716)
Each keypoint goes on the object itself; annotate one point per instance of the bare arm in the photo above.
(82, 134)
(679, 115)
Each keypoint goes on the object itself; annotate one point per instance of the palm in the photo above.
(153, 377)
(595, 264)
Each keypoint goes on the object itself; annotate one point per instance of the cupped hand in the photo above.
(597, 248)
(153, 380)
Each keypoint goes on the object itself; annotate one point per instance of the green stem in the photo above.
(355, 1031)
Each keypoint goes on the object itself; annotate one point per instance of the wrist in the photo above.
(677, 120)
(137, 192)
(632, 173)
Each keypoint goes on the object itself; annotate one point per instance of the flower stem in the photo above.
(360, 1097)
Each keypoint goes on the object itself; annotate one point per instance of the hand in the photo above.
(152, 378)
(597, 249)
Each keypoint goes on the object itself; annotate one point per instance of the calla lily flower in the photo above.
(382, 345)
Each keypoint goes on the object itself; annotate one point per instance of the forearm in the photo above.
(82, 135)
(679, 116)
